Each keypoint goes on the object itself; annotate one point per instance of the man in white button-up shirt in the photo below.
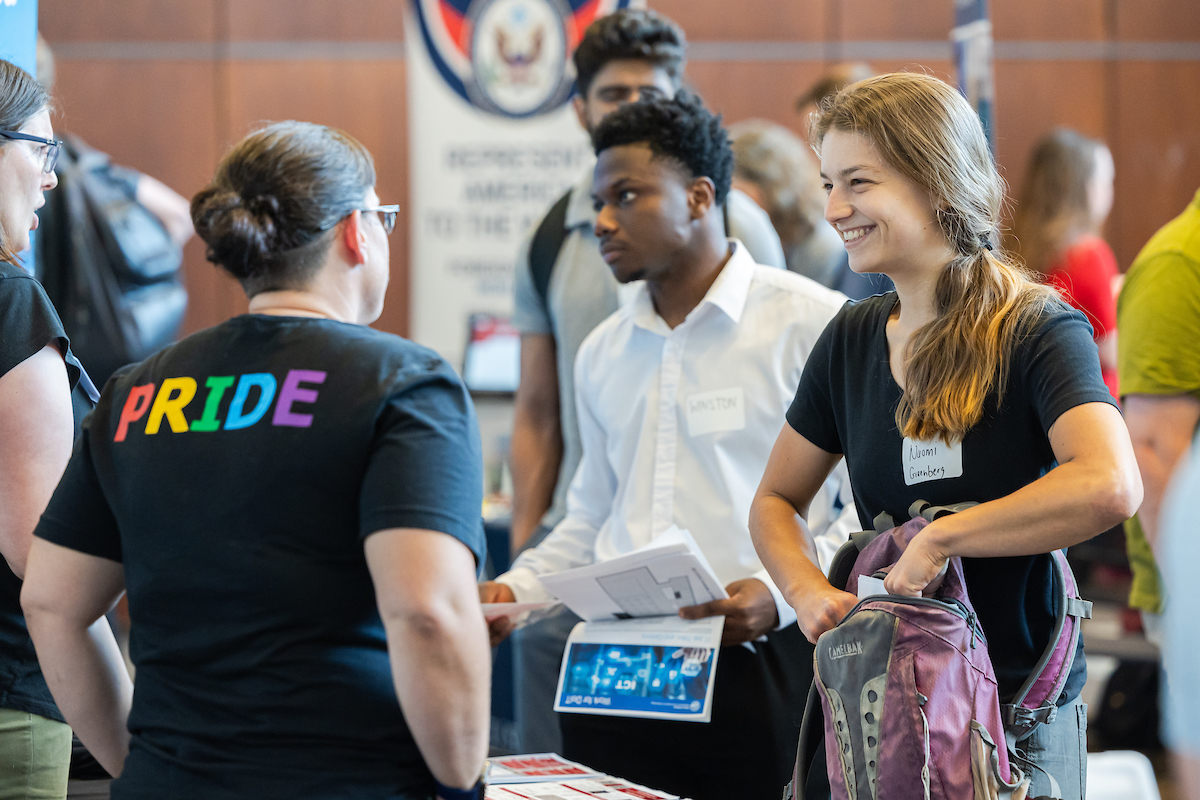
(681, 395)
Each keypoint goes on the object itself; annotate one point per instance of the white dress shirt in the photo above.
(677, 425)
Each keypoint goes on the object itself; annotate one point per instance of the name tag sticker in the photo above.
(711, 412)
(931, 461)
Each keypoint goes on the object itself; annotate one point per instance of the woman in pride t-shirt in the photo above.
(291, 500)
(970, 382)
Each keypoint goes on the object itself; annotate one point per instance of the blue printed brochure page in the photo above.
(653, 667)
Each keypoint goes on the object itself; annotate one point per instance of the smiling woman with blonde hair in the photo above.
(970, 358)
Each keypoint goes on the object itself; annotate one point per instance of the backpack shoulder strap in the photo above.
(547, 242)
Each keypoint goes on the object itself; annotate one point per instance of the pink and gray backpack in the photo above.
(904, 698)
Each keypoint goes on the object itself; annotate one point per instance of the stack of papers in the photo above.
(605, 788)
(653, 581)
(536, 768)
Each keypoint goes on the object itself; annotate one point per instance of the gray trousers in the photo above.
(537, 653)
(1055, 755)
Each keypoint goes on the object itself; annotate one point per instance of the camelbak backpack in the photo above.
(904, 699)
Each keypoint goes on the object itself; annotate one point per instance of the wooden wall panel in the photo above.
(1157, 148)
(1157, 20)
(1038, 20)
(893, 20)
(743, 89)
(364, 98)
(63, 21)
(316, 20)
(748, 20)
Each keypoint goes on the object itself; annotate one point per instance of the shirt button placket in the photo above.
(667, 434)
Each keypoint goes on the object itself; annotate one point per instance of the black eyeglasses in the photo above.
(49, 155)
(387, 215)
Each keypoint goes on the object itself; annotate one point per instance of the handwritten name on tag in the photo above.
(711, 412)
(931, 461)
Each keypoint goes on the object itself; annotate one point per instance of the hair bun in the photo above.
(242, 234)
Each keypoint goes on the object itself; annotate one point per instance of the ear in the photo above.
(702, 196)
(354, 238)
(580, 106)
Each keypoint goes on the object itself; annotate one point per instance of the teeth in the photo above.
(851, 235)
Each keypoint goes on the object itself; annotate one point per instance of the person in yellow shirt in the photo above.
(1158, 363)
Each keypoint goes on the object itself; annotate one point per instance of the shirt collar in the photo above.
(728, 293)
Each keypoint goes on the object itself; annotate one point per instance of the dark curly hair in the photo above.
(681, 129)
(631, 33)
(267, 214)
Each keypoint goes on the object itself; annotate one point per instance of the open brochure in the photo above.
(536, 768)
(605, 788)
(654, 668)
(652, 581)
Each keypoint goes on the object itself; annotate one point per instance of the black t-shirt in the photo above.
(846, 404)
(235, 475)
(28, 322)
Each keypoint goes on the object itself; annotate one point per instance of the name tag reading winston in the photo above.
(931, 461)
(711, 412)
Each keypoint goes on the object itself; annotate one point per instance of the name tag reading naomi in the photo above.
(931, 461)
(711, 412)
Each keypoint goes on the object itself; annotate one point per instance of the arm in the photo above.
(171, 209)
(537, 446)
(36, 429)
(438, 645)
(794, 474)
(1094, 487)
(1161, 427)
(65, 597)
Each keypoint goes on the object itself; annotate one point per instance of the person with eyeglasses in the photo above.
(38, 373)
(291, 500)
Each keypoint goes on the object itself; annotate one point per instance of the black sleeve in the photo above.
(426, 467)
(811, 414)
(28, 322)
(1061, 366)
(79, 516)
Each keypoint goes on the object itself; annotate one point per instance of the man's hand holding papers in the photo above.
(749, 611)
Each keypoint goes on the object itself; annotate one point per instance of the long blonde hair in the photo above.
(1054, 209)
(983, 299)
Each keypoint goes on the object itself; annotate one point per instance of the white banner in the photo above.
(493, 143)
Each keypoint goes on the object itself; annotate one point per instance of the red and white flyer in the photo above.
(536, 768)
(604, 788)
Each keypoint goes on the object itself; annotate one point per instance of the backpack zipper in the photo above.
(953, 605)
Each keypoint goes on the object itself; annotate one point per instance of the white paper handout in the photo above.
(536, 768)
(656, 580)
(655, 668)
(870, 587)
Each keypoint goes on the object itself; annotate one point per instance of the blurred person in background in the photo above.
(292, 500)
(110, 253)
(38, 373)
(1067, 197)
(832, 81)
(777, 170)
(1158, 361)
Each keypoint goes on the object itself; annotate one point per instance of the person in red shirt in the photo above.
(1068, 195)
